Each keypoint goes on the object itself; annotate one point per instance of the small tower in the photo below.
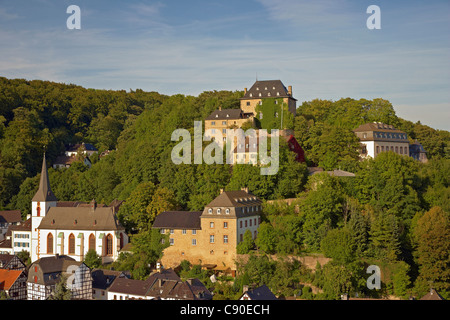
(41, 202)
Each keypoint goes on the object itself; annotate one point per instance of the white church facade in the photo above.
(72, 231)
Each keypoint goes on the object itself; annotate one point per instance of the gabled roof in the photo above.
(81, 218)
(178, 220)
(44, 192)
(226, 114)
(239, 198)
(377, 126)
(267, 89)
(10, 216)
(8, 277)
(432, 295)
(260, 293)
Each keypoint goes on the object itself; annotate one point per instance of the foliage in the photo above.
(62, 292)
(432, 235)
(92, 259)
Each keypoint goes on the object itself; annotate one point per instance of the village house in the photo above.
(164, 284)
(11, 262)
(377, 137)
(13, 283)
(259, 293)
(45, 273)
(210, 237)
(102, 279)
(7, 219)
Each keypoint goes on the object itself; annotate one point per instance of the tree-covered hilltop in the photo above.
(393, 213)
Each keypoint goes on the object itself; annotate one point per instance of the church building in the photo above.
(72, 231)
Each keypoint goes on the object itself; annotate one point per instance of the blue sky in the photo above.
(322, 48)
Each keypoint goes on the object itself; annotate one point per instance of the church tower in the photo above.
(41, 202)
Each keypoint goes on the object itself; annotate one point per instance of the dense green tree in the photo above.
(432, 235)
(246, 244)
(339, 245)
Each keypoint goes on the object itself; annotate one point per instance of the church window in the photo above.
(71, 244)
(109, 244)
(49, 243)
(91, 242)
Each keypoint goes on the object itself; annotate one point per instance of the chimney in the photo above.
(245, 90)
(290, 90)
(158, 267)
(245, 189)
(221, 190)
(220, 108)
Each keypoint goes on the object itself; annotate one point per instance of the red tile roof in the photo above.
(8, 277)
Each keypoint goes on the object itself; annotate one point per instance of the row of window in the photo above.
(22, 235)
(396, 149)
(22, 244)
(212, 239)
(108, 242)
(388, 135)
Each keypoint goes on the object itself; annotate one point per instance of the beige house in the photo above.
(267, 89)
(377, 137)
(221, 120)
(210, 237)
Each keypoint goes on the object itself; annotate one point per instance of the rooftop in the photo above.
(268, 89)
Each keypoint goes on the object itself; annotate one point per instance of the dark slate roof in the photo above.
(44, 192)
(261, 293)
(377, 126)
(178, 220)
(239, 198)
(10, 216)
(102, 278)
(267, 89)
(129, 286)
(225, 114)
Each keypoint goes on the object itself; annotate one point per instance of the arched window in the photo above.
(109, 245)
(49, 243)
(71, 244)
(91, 242)
(121, 240)
(38, 209)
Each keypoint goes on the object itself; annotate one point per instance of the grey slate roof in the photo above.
(44, 192)
(226, 114)
(267, 89)
(261, 293)
(178, 220)
(235, 199)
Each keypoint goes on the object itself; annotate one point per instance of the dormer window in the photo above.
(257, 88)
(218, 211)
(227, 211)
(210, 211)
(268, 94)
(260, 94)
(278, 93)
(217, 115)
(251, 95)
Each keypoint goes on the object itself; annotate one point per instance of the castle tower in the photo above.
(41, 202)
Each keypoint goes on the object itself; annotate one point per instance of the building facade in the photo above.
(210, 237)
(45, 273)
(267, 89)
(72, 231)
(378, 137)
